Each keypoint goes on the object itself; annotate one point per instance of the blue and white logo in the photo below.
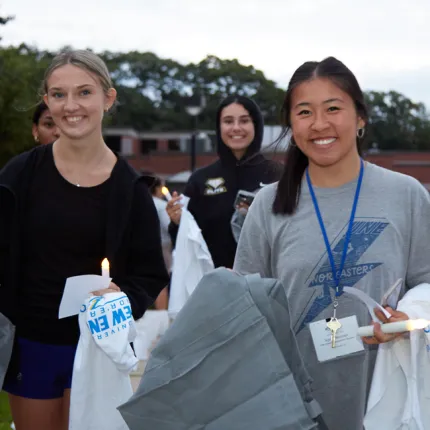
(364, 234)
(108, 318)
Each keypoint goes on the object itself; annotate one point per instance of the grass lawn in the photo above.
(5, 418)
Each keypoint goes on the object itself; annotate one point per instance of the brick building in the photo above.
(167, 153)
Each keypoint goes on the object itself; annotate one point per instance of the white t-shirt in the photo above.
(161, 205)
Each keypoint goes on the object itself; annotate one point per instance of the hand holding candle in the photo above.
(174, 208)
(396, 326)
(166, 193)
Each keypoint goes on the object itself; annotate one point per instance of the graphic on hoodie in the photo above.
(215, 186)
(364, 234)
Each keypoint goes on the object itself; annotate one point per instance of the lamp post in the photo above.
(194, 108)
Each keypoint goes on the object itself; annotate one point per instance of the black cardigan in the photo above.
(133, 244)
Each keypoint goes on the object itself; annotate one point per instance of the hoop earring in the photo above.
(36, 138)
(360, 133)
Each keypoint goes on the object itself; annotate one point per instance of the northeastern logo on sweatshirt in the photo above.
(364, 234)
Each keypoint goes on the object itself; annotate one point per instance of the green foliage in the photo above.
(160, 89)
(5, 416)
(397, 123)
(153, 94)
(21, 72)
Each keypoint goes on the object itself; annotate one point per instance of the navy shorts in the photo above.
(40, 371)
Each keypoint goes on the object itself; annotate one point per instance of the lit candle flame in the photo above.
(166, 193)
(417, 324)
(105, 267)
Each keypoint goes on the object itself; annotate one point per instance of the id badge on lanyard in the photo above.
(335, 338)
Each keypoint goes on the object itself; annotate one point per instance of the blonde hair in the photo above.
(83, 59)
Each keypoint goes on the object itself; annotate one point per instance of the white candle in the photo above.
(165, 191)
(105, 268)
(395, 327)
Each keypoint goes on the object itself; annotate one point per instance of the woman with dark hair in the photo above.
(44, 129)
(335, 221)
(213, 189)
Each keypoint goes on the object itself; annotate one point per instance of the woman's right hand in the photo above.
(174, 208)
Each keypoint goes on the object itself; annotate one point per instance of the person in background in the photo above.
(160, 204)
(65, 207)
(44, 129)
(213, 189)
(335, 221)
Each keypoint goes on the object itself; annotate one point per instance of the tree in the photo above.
(220, 78)
(162, 87)
(397, 123)
(21, 72)
(153, 93)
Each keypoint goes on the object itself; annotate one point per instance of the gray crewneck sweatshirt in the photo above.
(390, 240)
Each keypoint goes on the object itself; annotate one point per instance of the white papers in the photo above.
(77, 290)
(391, 297)
(368, 301)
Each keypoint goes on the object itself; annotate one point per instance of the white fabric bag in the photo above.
(399, 398)
(103, 362)
(192, 260)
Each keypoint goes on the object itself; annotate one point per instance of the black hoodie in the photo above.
(213, 189)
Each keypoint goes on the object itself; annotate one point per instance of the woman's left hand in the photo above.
(113, 288)
(379, 336)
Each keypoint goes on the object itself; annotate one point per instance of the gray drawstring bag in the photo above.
(7, 336)
(229, 361)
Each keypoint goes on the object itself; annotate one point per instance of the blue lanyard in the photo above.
(337, 275)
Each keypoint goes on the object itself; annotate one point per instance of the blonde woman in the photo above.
(66, 206)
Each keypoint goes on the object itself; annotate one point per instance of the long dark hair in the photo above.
(40, 108)
(289, 187)
(257, 119)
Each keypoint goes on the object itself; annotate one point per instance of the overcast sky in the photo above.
(386, 43)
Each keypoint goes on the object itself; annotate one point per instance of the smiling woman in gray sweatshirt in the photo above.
(332, 221)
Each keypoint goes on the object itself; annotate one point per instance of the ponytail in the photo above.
(290, 184)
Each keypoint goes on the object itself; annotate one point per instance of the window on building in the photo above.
(127, 146)
(147, 146)
(173, 145)
(211, 144)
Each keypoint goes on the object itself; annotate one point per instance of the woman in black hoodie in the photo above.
(213, 189)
